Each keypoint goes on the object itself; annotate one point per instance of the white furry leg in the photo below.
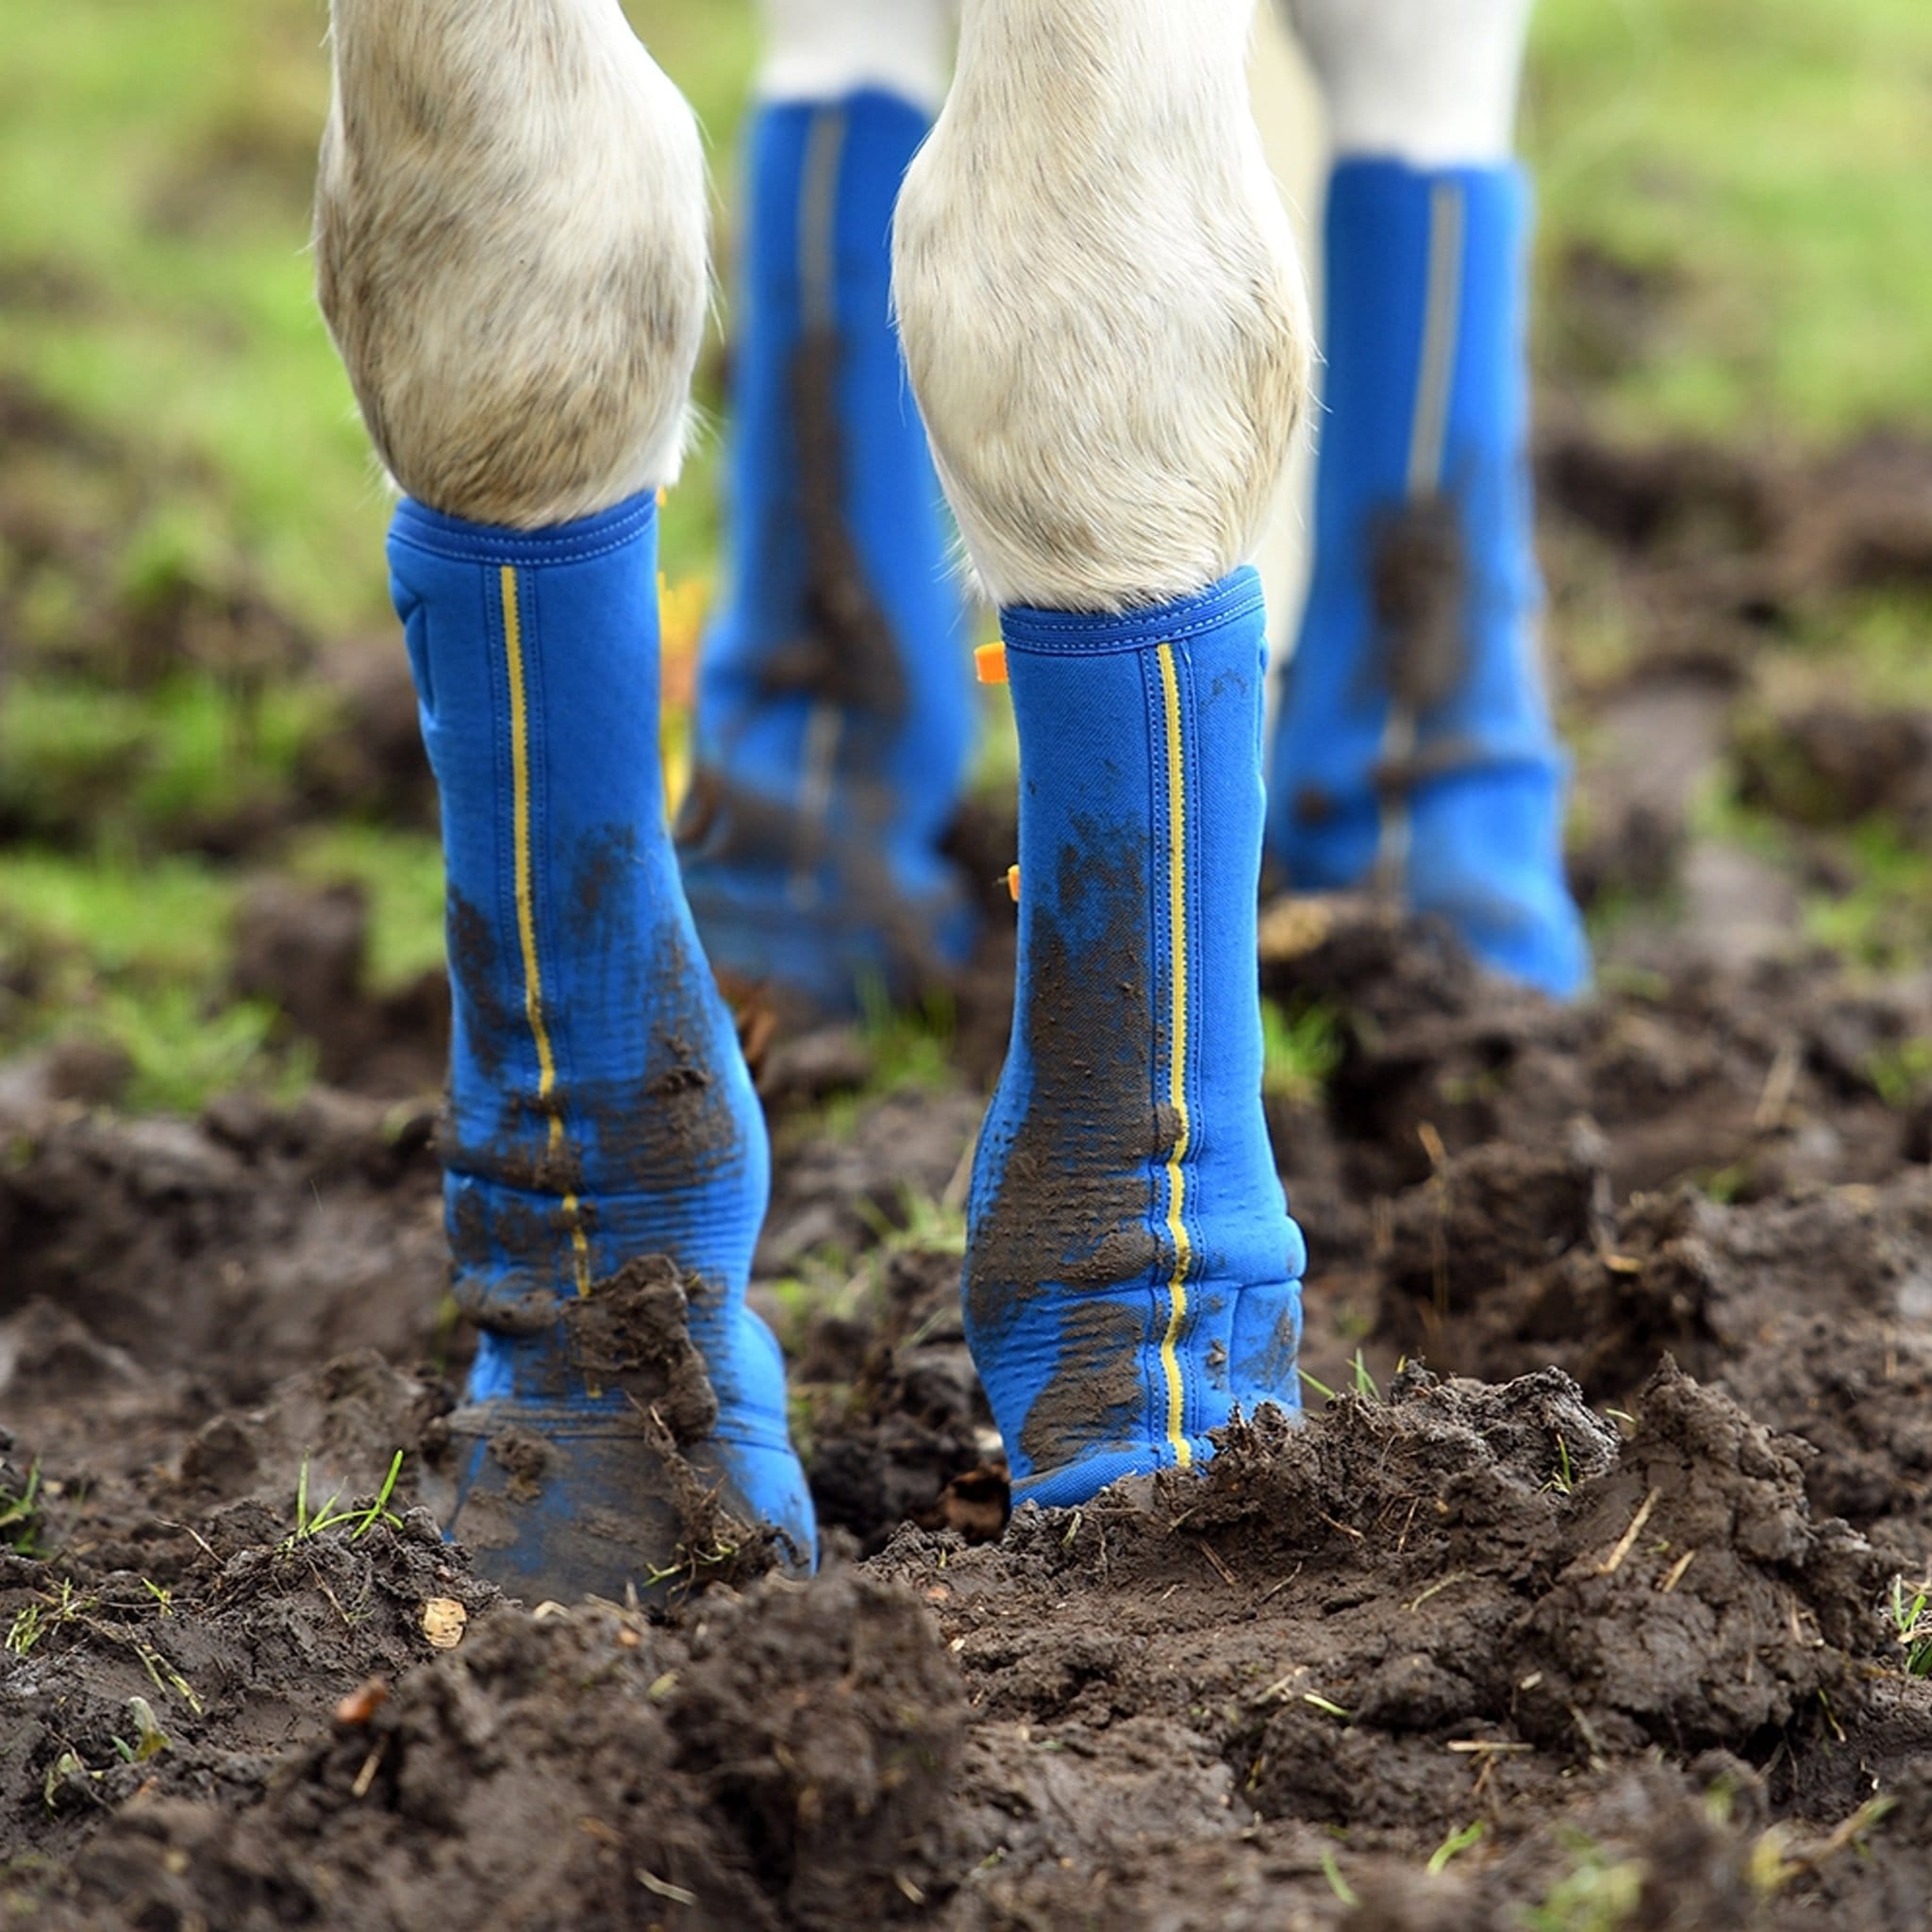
(510, 244)
(821, 50)
(1430, 82)
(1101, 304)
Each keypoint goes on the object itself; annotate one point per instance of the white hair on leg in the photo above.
(1294, 123)
(511, 252)
(1101, 302)
(1433, 83)
(821, 50)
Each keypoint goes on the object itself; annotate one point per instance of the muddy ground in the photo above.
(1578, 1605)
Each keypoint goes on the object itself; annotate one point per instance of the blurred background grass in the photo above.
(1737, 246)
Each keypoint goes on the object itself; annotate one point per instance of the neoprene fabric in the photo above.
(1415, 745)
(1132, 1273)
(599, 1105)
(834, 712)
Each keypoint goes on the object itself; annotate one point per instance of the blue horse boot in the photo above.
(1132, 1275)
(1415, 751)
(605, 1161)
(835, 707)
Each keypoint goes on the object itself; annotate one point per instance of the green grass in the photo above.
(357, 1520)
(1300, 1048)
(1902, 1075)
(1911, 1621)
(23, 1519)
(192, 754)
(158, 157)
(136, 957)
(1768, 161)
(160, 920)
(1869, 646)
(1600, 1894)
(1883, 921)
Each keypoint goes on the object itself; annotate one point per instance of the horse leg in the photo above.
(834, 712)
(511, 246)
(1415, 749)
(1105, 324)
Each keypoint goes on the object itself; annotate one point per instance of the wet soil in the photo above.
(1573, 1609)
(1595, 1606)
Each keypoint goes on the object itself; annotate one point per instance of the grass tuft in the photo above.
(358, 1522)
(1301, 1048)
(21, 1519)
(1912, 1622)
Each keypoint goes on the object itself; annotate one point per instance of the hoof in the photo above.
(555, 1505)
(635, 1443)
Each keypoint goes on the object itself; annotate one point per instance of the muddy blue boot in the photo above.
(834, 710)
(1132, 1275)
(605, 1158)
(1415, 751)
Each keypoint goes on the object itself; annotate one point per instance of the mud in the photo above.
(1632, 1622)
(1067, 1185)
(1575, 1608)
(1831, 765)
(1419, 589)
(849, 657)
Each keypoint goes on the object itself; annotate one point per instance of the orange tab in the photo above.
(1014, 882)
(990, 661)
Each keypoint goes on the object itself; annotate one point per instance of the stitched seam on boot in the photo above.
(433, 533)
(1075, 633)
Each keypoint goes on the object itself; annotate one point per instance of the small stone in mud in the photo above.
(444, 1621)
(368, 1697)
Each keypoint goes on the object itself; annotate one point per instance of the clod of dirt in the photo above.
(899, 1425)
(304, 950)
(1830, 765)
(1494, 1212)
(44, 1348)
(1464, 1585)
(1657, 741)
(836, 1192)
(1668, 1274)
(1858, 1388)
(1697, 1603)
(92, 1072)
(1609, 312)
(809, 1068)
(332, 1430)
(632, 1332)
(783, 1763)
(282, 1237)
(240, 1655)
(368, 762)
